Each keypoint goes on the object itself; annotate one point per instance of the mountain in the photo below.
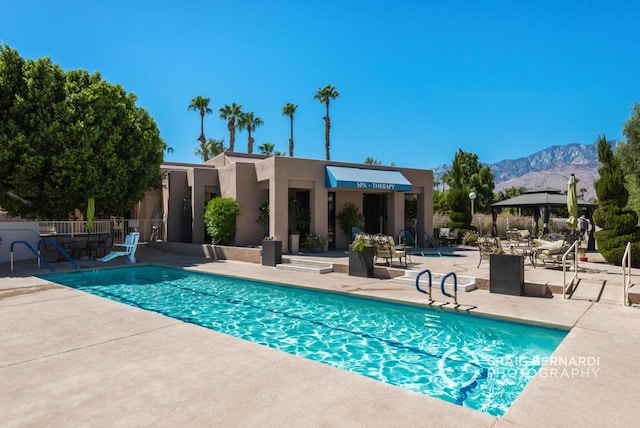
(550, 167)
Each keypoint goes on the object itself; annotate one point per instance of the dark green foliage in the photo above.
(68, 136)
(458, 195)
(350, 217)
(220, 219)
(473, 176)
(619, 225)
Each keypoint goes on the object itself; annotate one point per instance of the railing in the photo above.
(149, 229)
(428, 272)
(574, 278)
(72, 228)
(455, 286)
(626, 274)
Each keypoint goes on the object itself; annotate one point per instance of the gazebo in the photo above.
(540, 200)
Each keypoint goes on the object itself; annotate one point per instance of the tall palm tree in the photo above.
(267, 149)
(325, 95)
(209, 149)
(201, 104)
(372, 161)
(230, 113)
(249, 122)
(288, 110)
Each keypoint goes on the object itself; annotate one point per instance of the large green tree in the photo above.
(629, 155)
(69, 136)
(458, 195)
(474, 177)
(324, 96)
(618, 225)
(249, 122)
(289, 110)
(201, 105)
(231, 113)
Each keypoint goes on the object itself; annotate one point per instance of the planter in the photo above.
(271, 252)
(294, 243)
(361, 263)
(506, 274)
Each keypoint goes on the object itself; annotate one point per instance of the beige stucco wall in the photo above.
(276, 178)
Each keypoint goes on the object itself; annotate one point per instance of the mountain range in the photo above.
(550, 167)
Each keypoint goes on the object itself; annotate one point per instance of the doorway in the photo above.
(374, 207)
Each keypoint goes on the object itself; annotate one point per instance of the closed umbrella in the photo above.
(91, 210)
(572, 203)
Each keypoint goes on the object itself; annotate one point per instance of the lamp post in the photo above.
(472, 196)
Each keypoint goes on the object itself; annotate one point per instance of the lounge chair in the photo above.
(448, 236)
(386, 249)
(551, 251)
(518, 237)
(489, 245)
(130, 245)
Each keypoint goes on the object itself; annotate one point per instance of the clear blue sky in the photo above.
(418, 80)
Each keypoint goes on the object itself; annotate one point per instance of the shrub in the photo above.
(220, 219)
(350, 217)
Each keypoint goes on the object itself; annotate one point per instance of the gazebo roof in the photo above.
(541, 196)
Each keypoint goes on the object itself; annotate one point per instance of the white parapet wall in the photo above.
(12, 231)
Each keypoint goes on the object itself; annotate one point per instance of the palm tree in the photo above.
(230, 113)
(210, 149)
(201, 104)
(288, 110)
(325, 95)
(249, 122)
(267, 149)
(372, 161)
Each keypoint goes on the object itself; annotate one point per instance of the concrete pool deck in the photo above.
(68, 358)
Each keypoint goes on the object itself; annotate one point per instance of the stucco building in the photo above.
(383, 195)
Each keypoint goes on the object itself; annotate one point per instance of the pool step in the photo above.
(465, 283)
(311, 266)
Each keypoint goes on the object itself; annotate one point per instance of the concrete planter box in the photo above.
(361, 264)
(506, 274)
(271, 252)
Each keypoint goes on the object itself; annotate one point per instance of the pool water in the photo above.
(471, 361)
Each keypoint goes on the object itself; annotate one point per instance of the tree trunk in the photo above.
(327, 126)
(291, 139)
(231, 126)
(250, 142)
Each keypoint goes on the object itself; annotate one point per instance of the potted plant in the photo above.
(271, 251)
(316, 243)
(581, 255)
(350, 218)
(361, 254)
(302, 220)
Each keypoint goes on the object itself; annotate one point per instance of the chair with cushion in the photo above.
(489, 245)
(386, 249)
(551, 251)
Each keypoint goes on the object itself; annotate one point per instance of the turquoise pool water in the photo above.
(471, 361)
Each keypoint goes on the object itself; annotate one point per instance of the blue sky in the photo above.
(418, 80)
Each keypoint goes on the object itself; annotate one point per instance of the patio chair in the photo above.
(489, 245)
(385, 248)
(130, 245)
(551, 251)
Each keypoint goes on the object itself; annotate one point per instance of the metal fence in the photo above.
(149, 229)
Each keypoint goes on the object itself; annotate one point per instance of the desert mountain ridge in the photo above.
(550, 167)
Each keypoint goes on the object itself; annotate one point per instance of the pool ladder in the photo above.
(442, 284)
(39, 256)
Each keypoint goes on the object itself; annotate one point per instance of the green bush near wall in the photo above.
(220, 219)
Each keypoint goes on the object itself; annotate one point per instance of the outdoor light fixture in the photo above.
(472, 196)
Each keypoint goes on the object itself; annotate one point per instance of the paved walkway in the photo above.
(69, 359)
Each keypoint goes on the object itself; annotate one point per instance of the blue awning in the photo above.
(365, 179)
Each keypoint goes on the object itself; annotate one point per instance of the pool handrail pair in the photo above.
(39, 256)
(442, 284)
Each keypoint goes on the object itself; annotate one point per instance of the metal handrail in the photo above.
(427, 271)
(59, 249)
(626, 274)
(37, 253)
(574, 278)
(455, 286)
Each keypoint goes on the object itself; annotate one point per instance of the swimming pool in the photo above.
(471, 361)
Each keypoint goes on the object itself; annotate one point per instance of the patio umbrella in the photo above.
(91, 210)
(572, 203)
